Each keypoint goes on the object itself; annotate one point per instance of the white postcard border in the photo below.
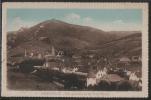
(10, 93)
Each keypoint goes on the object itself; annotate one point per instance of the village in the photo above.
(76, 50)
(88, 73)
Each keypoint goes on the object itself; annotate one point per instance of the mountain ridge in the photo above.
(65, 36)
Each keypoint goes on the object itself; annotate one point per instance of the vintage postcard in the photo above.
(74, 49)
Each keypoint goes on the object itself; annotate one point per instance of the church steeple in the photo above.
(25, 54)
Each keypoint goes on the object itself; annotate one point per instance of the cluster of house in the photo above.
(129, 60)
(95, 77)
(122, 61)
(43, 55)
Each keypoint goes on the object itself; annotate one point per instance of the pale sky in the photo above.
(104, 19)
